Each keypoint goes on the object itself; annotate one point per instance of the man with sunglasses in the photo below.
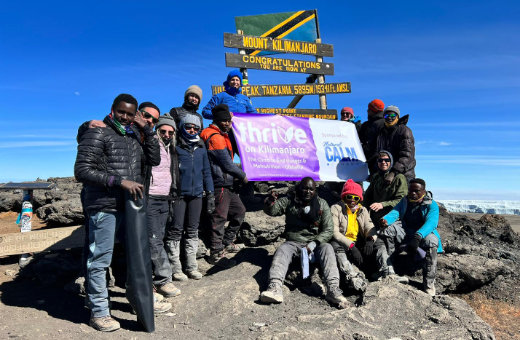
(397, 138)
(108, 163)
(381, 196)
(412, 225)
(308, 229)
(192, 100)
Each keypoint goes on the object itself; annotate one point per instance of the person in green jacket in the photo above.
(308, 229)
(381, 196)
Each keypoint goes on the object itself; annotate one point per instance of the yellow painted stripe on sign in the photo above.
(296, 26)
(282, 23)
(289, 30)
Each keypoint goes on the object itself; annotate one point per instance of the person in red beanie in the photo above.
(347, 115)
(370, 130)
(354, 235)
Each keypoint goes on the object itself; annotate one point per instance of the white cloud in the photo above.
(76, 93)
(443, 143)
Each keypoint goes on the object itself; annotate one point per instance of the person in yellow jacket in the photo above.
(354, 238)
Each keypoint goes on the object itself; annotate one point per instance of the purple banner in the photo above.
(275, 147)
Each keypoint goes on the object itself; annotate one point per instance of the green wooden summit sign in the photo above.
(294, 32)
(289, 89)
(278, 64)
(253, 45)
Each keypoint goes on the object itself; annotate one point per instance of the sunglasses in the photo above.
(390, 115)
(191, 127)
(381, 160)
(351, 197)
(164, 132)
(147, 115)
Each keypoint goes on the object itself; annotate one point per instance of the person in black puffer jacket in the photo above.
(397, 138)
(370, 130)
(110, 161)
(192, 99)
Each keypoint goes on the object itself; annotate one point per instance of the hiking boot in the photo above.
(104, 324)
(195, 275)
(335, 297)
(358, 284)
(157, 297)
(233, 248)
(161, 307)
(430, 291)
(168, 290)
(273, 294)
(398, 278)
(180, 276)
(218, 259)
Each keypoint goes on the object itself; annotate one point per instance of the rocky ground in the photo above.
(478, 284)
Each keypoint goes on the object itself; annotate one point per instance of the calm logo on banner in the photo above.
(289, 148)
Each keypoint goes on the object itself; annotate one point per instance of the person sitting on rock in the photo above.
(354, 235)
(308, 228)
(412, 223)
(381, 196)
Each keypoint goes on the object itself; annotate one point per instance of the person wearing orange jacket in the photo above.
(226, 176)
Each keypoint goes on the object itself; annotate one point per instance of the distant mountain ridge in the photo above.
(482, 206)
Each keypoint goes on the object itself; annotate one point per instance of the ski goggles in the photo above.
(390, 116)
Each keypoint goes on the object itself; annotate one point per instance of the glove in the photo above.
(368, 248)
(356, 256)
(210, 202)
(389, 177)
(414, 244)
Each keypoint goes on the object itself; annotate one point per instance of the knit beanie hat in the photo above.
(352, 188)
(233, 90)
(347, 109)
(166, 119)
(190, 119)
(195, 90)
(392, 108)
(221, 112)
(376, 105)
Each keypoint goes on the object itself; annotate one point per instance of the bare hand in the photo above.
(245, 180)
(139, 120)
(133, 188)
(96, 124)
(376, 206)
(383, 223)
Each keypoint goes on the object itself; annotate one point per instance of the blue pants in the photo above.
(101, 235)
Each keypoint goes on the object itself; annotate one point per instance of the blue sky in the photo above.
(454, 66)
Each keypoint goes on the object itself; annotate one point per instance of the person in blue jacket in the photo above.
(195, 178)
(232, 97)
(412, 224)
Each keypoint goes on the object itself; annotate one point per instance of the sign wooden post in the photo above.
(284, 33)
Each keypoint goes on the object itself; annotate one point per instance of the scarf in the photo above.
(309, 212)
